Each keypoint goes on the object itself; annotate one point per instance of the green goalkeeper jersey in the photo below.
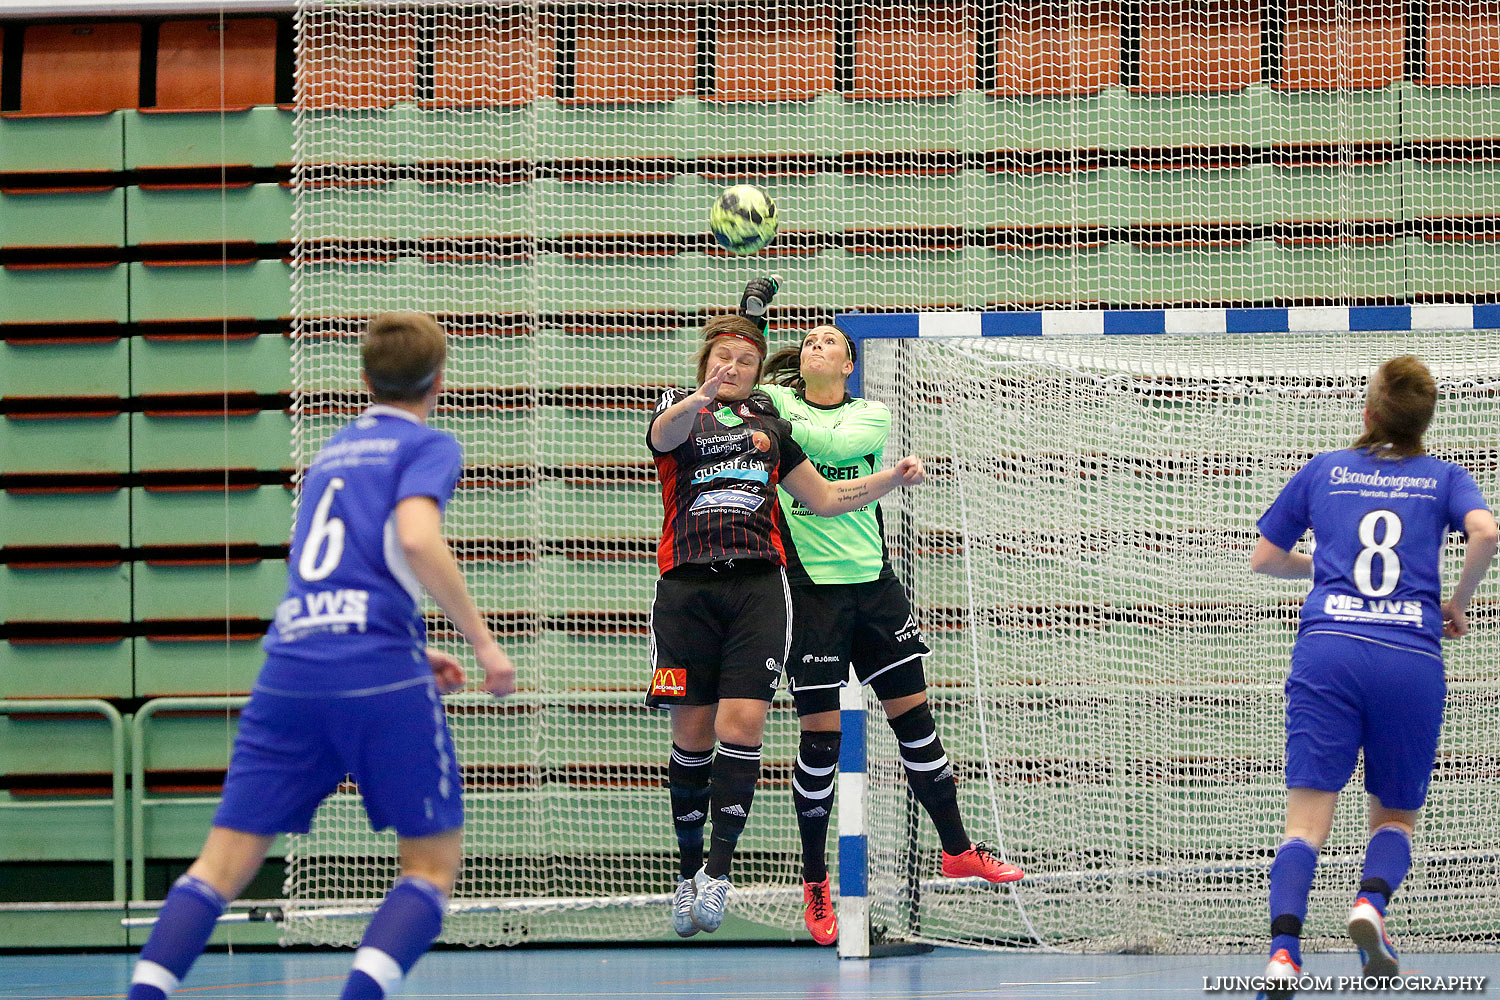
(844, 441)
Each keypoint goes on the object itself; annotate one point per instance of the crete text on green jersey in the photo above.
(844, 441)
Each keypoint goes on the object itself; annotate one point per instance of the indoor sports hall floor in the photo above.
(711, 973)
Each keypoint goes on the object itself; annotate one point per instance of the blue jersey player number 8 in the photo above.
(1367, 666)
(1379, 526)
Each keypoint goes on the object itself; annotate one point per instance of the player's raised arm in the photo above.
(1484, 538)
(672, 425)
(832, 499)
(419, 530)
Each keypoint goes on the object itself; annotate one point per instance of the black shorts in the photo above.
(869, 626)
(720, 634)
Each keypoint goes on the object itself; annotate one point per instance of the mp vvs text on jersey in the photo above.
(1379, 610)
(323, 611)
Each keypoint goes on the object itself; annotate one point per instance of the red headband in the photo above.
(739, 336)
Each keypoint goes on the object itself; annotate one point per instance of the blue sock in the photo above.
(400, 933)
(1291, 881)
(1387, 860)
(182, 930)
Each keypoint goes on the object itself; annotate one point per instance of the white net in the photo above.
(1108, 670)
(539, 175)
(457, 200)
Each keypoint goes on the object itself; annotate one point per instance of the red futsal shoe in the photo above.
(817, 913)
(978, 860)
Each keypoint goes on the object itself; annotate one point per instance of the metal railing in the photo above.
(138, 772)
(117, 765)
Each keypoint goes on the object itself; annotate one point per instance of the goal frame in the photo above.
(860, 327)
(853, 838)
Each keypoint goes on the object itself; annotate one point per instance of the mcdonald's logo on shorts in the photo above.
(669, 682)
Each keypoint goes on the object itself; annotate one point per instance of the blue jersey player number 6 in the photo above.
(349, 687)
(325, 534)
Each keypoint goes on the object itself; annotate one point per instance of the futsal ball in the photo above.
(743, 219)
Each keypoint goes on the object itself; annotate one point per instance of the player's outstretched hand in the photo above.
(909, 471)
(1455, 621)
(448, 671)
(499, 674)
(709, 390)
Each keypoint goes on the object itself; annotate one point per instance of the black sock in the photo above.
(812, 794)
(931, 776)
(736, 769)
(687, 782)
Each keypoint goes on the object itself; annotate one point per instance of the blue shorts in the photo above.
(1345, 693)
(292, 753)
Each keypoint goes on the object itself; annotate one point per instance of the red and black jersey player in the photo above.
(721, 619)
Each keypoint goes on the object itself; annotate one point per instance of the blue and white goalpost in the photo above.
(1106, 672)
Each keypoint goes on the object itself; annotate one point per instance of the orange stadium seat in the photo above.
(487, 59)
(907, 49)
(645, 54)
(1055, 48)
(792, 61)
(1463, 43)
(1186, 48)
(1335, 45)
(351, 59)
(69, 69)
(208, 65)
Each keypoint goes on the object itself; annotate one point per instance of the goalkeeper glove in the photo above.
(757, 298)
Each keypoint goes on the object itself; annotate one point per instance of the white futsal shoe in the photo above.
(709, 901)
(1376, 953)
(1280, 976)
(682, 908)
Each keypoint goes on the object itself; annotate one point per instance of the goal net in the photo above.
(538, 174)
(1107, 670)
